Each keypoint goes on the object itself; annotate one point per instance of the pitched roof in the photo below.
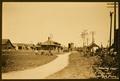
(23, 44)
(4, 41)
(50, 42)
(19, 44)
(93, 45)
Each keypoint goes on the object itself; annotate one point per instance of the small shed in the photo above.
(6, 44)
(93, 46)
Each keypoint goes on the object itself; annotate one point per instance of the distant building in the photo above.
(7, 45)
(70, 46)
(38, 46)
(50, 45)
(93, 46)
(31, 46)
(22, 46)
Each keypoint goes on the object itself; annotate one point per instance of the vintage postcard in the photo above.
(60, 40)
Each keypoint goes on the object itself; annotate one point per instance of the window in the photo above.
(20, 47)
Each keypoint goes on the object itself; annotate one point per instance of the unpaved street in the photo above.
(40, 72)
(79, 67)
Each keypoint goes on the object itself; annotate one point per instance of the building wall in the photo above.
(23, 47)
(7, 46)
(71, 46)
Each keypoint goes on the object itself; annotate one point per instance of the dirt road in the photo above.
(79, 67)
(40, 72)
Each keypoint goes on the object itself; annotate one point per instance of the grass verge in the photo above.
(79, 67)
(16, 62)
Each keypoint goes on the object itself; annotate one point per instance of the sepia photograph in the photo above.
(60, 40)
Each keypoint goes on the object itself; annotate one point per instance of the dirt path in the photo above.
(40, 72)
(79, 67)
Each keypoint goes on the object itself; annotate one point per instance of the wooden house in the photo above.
(20, 46)
(51, 45)
(93, 46)
(23, 46)
(30, 46)
(7, 45)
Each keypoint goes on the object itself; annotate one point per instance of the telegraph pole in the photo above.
(119, 22)
(93, 40)
(118, 38)
(114, 6)
(87, 41)
(115, 25)
(87, 38)
(83, 35)
(110, 28)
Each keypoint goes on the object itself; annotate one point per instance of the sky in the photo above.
(33, 22)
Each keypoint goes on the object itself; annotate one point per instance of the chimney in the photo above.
(49, 38)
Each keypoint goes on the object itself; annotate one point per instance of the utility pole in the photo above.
(110, 28)
(87, 38)
(118, 43)
(114, 6)
(101, 45)
(87, 41)
(118, 16)
(83, 35)
(115, 25)
(93, 40)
